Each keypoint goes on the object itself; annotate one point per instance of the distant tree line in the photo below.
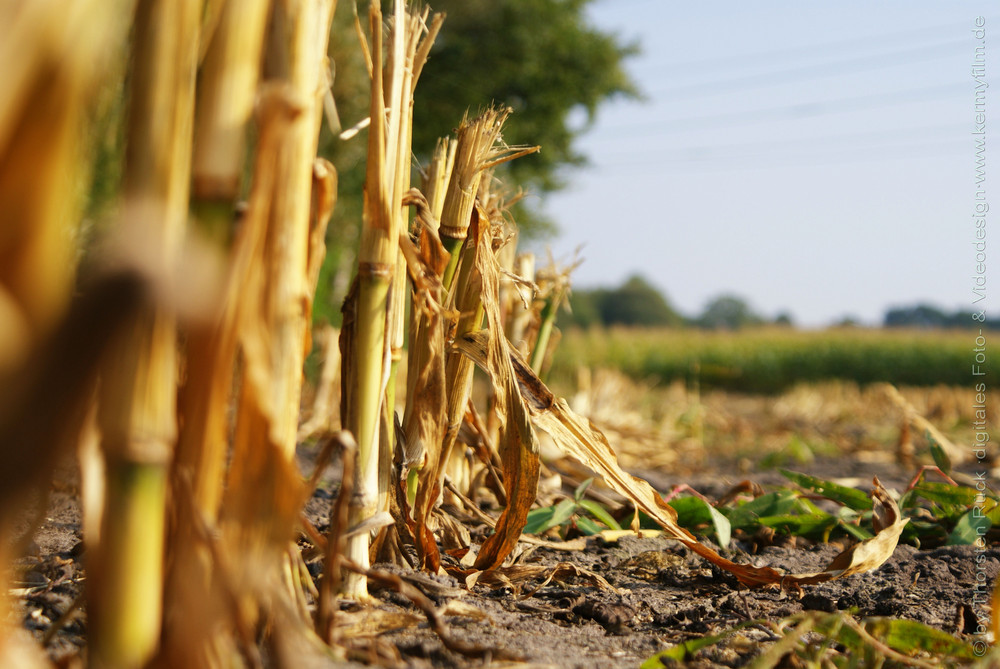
(638, 303)
(926, 316)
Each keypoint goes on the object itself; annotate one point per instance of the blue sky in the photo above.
(813, 158)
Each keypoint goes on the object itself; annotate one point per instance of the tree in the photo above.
(784, 319)
(638, 302)
(919, 316)
(928, 317)
(728, 312)
(540, 57)
(635, 303)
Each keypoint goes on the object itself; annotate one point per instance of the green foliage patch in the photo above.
(846, 642)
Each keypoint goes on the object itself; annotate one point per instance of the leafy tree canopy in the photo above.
(728, 312)
(929, 317)
(539, 57)
(636, 302)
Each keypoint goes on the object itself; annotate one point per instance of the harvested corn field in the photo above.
(173, 492)
(579, 593)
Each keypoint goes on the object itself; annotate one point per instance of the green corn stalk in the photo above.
(137, 403)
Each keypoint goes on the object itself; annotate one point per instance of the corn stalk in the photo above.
(284, 226)
(227, 89)
(55, 56)
(393, 78)
(137, 404)
(287, 304)
(479, 148)
(423, 417)
(226, 92)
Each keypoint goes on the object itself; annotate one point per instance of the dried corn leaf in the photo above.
(869, 554)
(425, 429)
(581, 440)
(517, 445)
(324, 199)
(431, 249)
(372, 622)
(424, 421)
(458, 608)
(211, 350)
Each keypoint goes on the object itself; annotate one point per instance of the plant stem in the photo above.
(138, 391)
(548, 319)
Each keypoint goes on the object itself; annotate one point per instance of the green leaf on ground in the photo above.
(940, 456)
(745, 516)
(850, 497)
(800, 525)
(581, 489)
(946, 494)
(686, 649)
(910, 637)
(859, 533)
(600, 513)
(843, 639)
(723, 530)
(589, 527)
(973, 525)
(542, 520)
(694, 511)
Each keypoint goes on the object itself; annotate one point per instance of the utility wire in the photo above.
(797, 53)
(865, 138)
(802, 110)
(812, 72)
(762, 161)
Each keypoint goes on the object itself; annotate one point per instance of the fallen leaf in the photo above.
(869, 554)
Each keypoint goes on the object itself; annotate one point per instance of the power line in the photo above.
(840, 140)
(830, 150)
(801, 110)
(812, 72)
(763, 162)
(797, 53)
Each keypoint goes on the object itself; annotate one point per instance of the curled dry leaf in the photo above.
(517, 445)
(579, 439)
(372, 622)
(869, 554)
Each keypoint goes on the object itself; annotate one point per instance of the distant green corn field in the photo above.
(768, 360)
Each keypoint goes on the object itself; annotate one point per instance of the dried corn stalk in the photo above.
(302, 45)
(479, 148)
(517, 444)
(367, 343)
(288, 209)
(227, 89)
(55, 56)
(424, 418)
(197, 579)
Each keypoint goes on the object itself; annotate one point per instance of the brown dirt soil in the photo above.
(660, 593)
